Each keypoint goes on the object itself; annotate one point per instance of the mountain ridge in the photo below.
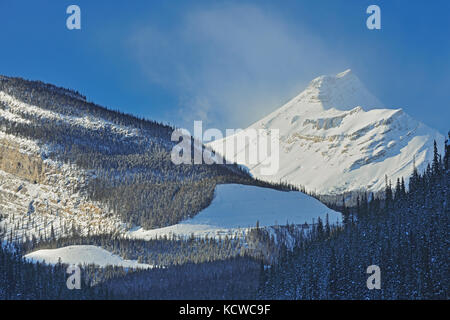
(333, 139)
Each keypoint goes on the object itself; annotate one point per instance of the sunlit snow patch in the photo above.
(83, 254)
(237, 207)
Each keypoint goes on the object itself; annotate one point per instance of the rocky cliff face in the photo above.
(38, 195)
(20, 163)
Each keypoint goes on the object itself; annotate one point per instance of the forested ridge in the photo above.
(128, 158)
(230, 278)
(405, 233)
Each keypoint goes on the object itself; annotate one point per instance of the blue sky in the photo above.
(230, 63)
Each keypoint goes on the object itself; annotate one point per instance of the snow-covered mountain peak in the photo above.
(336, 136)
(343, 91)
(327, 100)
(324, 97)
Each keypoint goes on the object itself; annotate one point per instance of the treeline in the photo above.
(234, 278)
(23, 280)
(405, 234)
(164, 251)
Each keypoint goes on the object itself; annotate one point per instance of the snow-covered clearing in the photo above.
(236, 208)
(83, 254)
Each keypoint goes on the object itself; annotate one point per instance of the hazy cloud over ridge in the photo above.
(230, 65)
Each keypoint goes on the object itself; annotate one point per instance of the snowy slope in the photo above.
(336, 136)
(237, 207)
(83, 254)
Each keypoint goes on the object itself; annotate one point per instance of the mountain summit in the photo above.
(343, 91)
(336, 137)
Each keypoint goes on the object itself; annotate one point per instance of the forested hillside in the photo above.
(405, 234)
(232, 278)
(126, 160)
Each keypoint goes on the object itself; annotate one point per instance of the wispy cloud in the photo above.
(232, 64)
